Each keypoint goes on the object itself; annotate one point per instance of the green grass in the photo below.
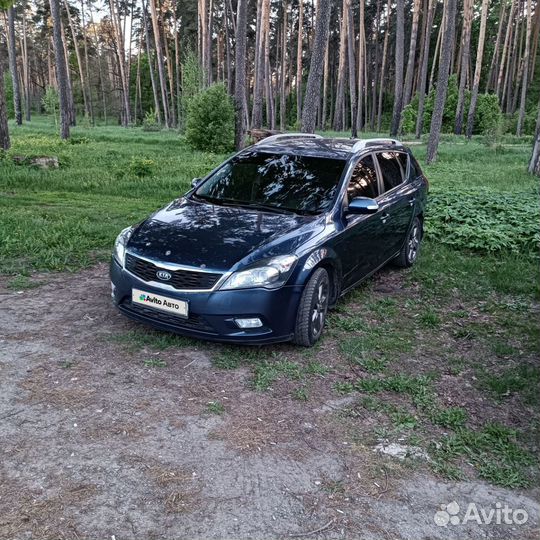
(215, 407)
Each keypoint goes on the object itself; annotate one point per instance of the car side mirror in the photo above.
(195, 182)
(363, 205)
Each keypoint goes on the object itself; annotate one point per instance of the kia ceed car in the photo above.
(259, 249)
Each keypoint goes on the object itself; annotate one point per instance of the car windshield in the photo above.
(278, 182)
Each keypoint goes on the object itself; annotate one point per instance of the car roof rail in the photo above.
(279, 136)
(364, 143)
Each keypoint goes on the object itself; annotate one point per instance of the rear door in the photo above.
(396, 200)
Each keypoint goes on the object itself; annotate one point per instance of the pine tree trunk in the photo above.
(398, 63)
(26, 66)
(361, 67)
(61, 70)
(340, 89)
(270, 116)
(119, 38)
(478, 69)
(424, 69)
(5, 143)
(160, 64)
(534, 164)
(383, 67)
(79, 61)
(240, 71)
(352, 66)
(258, 91)
(407, 91)
(375, 39)
(465, 59)
(12, 52)
(495, 57)
(326, 71)
(86, 64)
(437, 51)
(525, 61)
(157, 107)
(208, 50)
(283, 96)
(299, 52)
(442, 82)
(504, 55)
(313, 87)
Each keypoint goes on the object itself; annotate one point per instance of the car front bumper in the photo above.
(212, 314)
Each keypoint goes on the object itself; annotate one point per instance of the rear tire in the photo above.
(409, 252)
(312, 309)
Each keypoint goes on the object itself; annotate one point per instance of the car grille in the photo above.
(181, 279)
(193, 322)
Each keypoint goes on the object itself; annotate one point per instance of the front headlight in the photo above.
(119, 251)
(271, 273)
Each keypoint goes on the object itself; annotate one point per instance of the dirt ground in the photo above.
(96, 443)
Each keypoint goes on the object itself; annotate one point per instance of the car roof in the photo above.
(336, 148)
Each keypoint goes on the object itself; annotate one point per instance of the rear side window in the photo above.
(363, 180)
(416, 171)
(393, 168)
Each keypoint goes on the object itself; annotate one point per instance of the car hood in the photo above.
(220, 238)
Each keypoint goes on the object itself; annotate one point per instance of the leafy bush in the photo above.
(484, 221)
(210, 121)
(141, 167)
(50, 102)
(191, 83)
(150, 122)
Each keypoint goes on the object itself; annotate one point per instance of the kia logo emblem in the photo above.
(163, 275)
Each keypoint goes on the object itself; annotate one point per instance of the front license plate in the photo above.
(172, 305)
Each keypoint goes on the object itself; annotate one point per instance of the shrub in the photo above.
(488, 119)
(150, 122)
(210, 121)
(191, 83)
(141, 167)
(484, 221)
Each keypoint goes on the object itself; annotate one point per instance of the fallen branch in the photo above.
(320, 529)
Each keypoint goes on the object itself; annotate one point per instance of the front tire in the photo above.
(409, 252)
(312, 309)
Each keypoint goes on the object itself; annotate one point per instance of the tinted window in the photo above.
(298, 183)
(416, 171)
(392, 169)
(363, 181)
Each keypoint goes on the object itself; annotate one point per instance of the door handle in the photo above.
(385, 217)
(412, 200)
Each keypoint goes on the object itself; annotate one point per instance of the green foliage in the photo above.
(484, 221)
(191, 83)
(210, 121)
(50, 102)
(488, 118)
(8, 89)
(150, 122)
(141, 167)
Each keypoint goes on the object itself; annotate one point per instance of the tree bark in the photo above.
(525, 61)
(504, 55)
(299, 52)
(12, 52)
(361, 66)
(5, 142)
(26, 66)
(61, 70)
(82, 78)
(283, 77)
(352, 66)
(478, 68)
(240, 72)
(159, 57)
(258, 91)
(407, 91)
(424, 69)
(340, 88)
(313, 87)
(534, 164)
(157, 107)
(495, 57)
(464, 64)
(383, 67)
(398, 63)
(442, 81)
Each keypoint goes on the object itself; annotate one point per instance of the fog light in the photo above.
(249, 323)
